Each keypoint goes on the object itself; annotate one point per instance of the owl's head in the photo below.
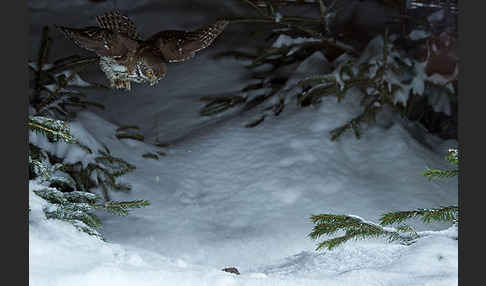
(152, 68)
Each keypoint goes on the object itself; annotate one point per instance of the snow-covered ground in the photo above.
(225, 195)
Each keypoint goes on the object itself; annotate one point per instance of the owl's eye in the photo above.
(149, 74)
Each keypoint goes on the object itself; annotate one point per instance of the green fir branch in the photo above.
(118, 166)
(76, 207)
(55, 88)
(150, 156)
(443, 214)
(434, 173)
(256, 122)
(54, 130)
(130, 136)
(219, 104)
(121, 208)
(354, 228)
(453, 156)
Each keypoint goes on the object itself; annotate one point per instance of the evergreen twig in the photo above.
(55, 130)
(433, 173)
(121, 208)
(151, 156)
(130, 136)
(354, 228)
(220, 104)
(449, 213)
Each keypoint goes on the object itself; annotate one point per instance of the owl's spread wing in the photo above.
(103, 42)
(177, 46)
(117, 22)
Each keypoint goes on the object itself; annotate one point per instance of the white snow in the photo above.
(61, 255)
(418, 34)
(78, 81)
(242, 197)
(285, 40)
(229, 196)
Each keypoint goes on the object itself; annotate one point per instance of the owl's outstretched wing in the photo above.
(103, 42)
(117, 22)
(177, 46)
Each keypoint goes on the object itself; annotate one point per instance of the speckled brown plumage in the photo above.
(124, 57)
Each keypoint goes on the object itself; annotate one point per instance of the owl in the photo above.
(125, 57)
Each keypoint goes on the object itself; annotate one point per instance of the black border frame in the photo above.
(15, 46)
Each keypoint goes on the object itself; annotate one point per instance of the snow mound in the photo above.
(61, 255)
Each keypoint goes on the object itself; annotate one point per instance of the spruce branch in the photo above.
(76, 207)
(121, 208)
(449, 213)
(61, 92)
(255, 122)
(39, 168)
(219, 104)
(369, 114)
(130, 136)
(235, 54)
(453, 156)
(39, 165)
(434, 173)
(54, 94)
(54, 130)
(56, 84)
(71, 213)
(150, 156)
(257, 100)
(378, 78)
(354, 228)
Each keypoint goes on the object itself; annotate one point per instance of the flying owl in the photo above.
(125, 57)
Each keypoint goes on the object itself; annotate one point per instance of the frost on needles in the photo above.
(66, 203)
